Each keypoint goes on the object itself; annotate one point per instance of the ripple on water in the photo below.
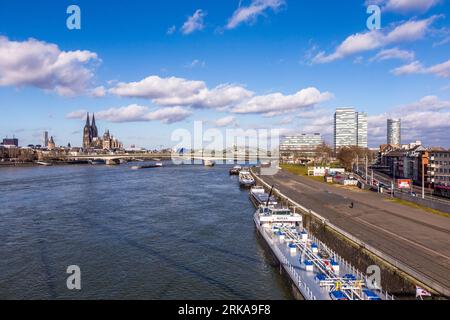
(179, 232)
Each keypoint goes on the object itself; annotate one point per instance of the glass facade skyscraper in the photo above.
(394, 132)
(45, 139)
(362, 129)
(350, 128)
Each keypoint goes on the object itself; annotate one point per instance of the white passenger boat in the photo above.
(246, 179)
(148, 166)
(315, 270)
(43, 163)
(96, 162)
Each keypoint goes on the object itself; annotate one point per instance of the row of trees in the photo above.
(347, 156)
(325, 155)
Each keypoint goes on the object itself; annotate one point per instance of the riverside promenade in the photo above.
(416, 241)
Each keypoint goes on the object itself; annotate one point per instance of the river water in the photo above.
(178, 232)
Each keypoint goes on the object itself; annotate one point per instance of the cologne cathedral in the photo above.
(91, 140)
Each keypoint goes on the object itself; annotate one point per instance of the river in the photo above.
(177, 232)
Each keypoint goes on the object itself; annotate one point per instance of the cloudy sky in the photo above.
(148, 68)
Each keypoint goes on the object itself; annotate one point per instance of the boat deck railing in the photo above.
(383, 294)
(351, 288)
(294, 275)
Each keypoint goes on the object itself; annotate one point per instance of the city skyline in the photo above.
(164, 65)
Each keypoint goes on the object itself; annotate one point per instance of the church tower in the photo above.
(51, 144)
(87, 134)
(94, 131)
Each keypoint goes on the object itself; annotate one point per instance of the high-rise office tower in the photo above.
(394, 132)
(362, 129)
(350, 128)
(45, 139)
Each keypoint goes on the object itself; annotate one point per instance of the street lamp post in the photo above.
(367, 166)
(371, 178)
(357, 164)
(393, 179)
(423, 179)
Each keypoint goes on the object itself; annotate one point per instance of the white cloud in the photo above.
(362, 42)
(171, 30)
(394, 53)
(154, 87)
(225, 121)
(131, 113)
(441, 70)
(405, 6)
(252, 11)
(174, 91)
(179, 92)
(98, 92)
(427, 119)
(286, 121)
(410, 31)
(169, 115)
(136, 113)
(413, 67)
(277, 103)
(43, 65)
(79, 114)
(196, 63)
(194, 22)
(323, 124)
(431, 132)
(427, 103)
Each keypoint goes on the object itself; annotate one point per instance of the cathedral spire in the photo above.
(87, 136)
(94, 131)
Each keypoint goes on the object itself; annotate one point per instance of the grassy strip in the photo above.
(300, 171)
(418, 206)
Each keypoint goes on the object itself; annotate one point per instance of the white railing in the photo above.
(293, 274)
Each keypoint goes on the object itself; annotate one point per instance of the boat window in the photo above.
(281, 212)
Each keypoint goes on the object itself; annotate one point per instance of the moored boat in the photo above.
(148, 166)
(266, 164)
(259, 197)
(317, 272)
(235, 170)
(246, 179)
(96, 162)
(43, 163)
(112, 162)
(209, 163)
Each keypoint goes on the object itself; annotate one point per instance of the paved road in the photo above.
(419, 239)
(387, 180)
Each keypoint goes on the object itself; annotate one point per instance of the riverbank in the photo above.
(409, 242)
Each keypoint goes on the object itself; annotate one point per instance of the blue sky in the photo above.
(147, 68)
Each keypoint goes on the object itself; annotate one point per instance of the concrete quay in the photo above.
(414, 241)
